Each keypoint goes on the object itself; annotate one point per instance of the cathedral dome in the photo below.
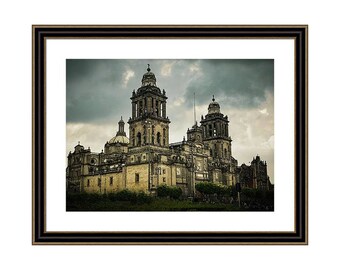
(119, 139)
(120, 135)
(149, 78)
(214, 107)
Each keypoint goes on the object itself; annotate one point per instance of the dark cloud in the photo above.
(236, 83)
(100, 89)
(92, 86)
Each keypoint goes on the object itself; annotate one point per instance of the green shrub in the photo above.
(166, 191)
(126, 195)
(112, 196)
(208, 188)
(143, 198)
(163, 191)
(175, 192)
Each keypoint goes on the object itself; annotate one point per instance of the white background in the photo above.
(282, 51)
(16, 19)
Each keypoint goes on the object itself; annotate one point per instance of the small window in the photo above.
(163, 171)
(137, 178)
(111, 181)
(88, 182)
(99, 182)
(164, 180)
(158, 138)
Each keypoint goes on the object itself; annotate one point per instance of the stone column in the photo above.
(149, 100)
(164, 109)
(133, 110)
(154, 106)
(159, 108)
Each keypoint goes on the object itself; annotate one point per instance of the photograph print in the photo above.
(169, 135)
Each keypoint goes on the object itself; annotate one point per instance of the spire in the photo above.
(213, 99)
(148, 69)
(194, 110)
(121, 124)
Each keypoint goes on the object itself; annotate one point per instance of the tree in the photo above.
(166, 191)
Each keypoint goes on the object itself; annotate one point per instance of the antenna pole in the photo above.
(194, 110)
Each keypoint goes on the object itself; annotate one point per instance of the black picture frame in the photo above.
(40, 33)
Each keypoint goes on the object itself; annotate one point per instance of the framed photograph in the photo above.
(169, 134)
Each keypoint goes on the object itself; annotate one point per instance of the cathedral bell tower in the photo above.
(216, 132)
(149, 124)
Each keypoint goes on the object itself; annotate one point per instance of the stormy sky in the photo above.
(98, 93)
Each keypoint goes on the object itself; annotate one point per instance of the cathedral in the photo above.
(147, 159)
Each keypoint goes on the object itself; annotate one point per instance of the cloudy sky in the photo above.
(98, 93)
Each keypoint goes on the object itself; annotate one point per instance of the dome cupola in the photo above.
(121, 135)
(214, 107)
(149, 78)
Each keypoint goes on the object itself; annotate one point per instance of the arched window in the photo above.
(133, 137)
(139, 139)
(158, 138)
(140, 108)
(164, 136)
(157, 112)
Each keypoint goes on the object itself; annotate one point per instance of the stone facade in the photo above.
(148, 160)
(255, 175)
